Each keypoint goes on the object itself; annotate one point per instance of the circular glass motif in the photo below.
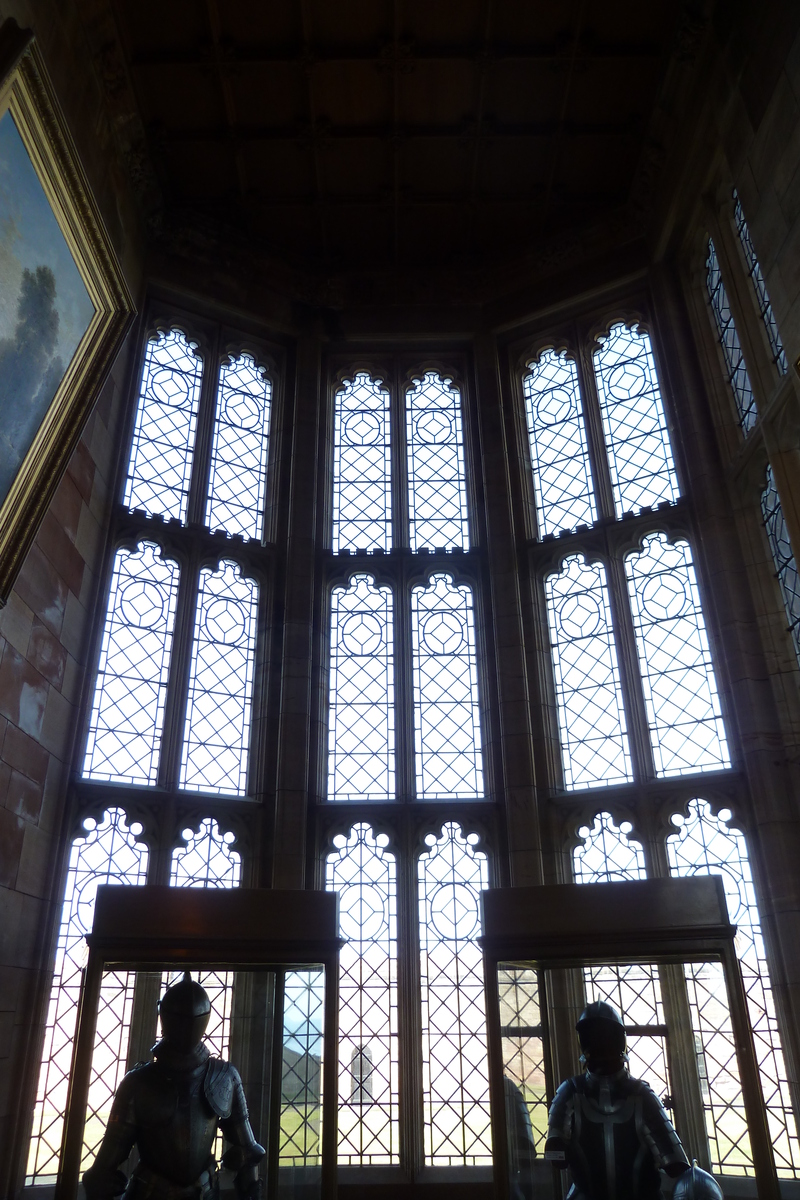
(665, 597)
(243, 410)
(362, 912)
(141, 604)
(225, 621)
(434, 427)
(626, 380)
(361, 633)
(580, 616)
(170, 386)
(443, 633)
(555, 406)
(454, 911)
(363, 428)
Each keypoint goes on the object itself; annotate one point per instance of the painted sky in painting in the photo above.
(45, 308)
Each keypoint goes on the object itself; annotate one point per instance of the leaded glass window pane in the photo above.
(361, 754)
(524, 1080)
(300, 1133)
(452, 874)
(447, 735)
(240, 447)
(437, 490)
(760, 287)
(785, 565)
(217, 735)
(738, 377)
(160, 469)
(130, 692)
(108, 853)
(705, 844)
(637, 440)
(362, 470)
(680, 691)
(363, 872)
(609, 855)
(591, 716)
(559, 452)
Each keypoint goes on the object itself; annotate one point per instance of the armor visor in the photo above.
(184, 1010)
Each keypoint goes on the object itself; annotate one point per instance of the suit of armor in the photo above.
(610, 1130)
(170, 1109)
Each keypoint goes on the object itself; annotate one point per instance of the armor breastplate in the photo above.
(177, 1124)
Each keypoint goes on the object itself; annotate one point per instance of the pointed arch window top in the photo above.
(437, 491)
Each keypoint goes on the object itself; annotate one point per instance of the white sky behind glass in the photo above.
(637, 440)
(361, 754)
(362, 469)
(217, 734)
(131, 686)
(240, 447)
(363, 872)
(437, 493)
(559, 452)
(680, 691)
(591, 715)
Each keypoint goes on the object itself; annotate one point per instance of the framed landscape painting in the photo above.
(64, 304)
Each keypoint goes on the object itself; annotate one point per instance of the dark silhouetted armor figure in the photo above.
(610, 1130)
(170, 1109)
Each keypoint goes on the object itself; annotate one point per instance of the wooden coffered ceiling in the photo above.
(387, 134)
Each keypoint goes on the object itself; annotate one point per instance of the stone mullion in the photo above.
(179, 670)
(513, 728)
(201, 458)
(296, 717)
(408, 1001)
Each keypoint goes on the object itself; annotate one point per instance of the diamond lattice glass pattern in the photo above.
(451, 876)
(785, 564)
(217, 736)
(591, 717)
(361, 736)
(523, 1059)
(680, 690)
(362, 468)
(562, 476)
(607, 855)
(364, 874)
(706, 844)
(131, 686)
(447, 733)
(108, 853)
(637, 440)
(160, 468)
(760, 287)
(301, 1076)
(240, 448)
(729, 341)
(437, 491)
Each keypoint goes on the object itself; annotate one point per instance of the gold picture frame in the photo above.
(43, 449)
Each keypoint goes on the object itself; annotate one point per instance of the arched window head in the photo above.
(240, 448)
(362, 466)
(607, 853)
(437, 490)
(363, 871)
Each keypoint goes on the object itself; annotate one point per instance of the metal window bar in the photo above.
(108, 853)
(637, 439)
(361, 751)
(160, 467)
(127, 715)
(362, 470)
(240, 448)
(451, 876)
(683, 710)
(591, 714)
(728, 338)
(562, 476)
(437, 489)
(785, 564)
(217, 733)
(363, 872)
(759, 286)
(704, 843)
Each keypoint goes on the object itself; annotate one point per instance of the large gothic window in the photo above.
(405, 741)
(635, 688)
